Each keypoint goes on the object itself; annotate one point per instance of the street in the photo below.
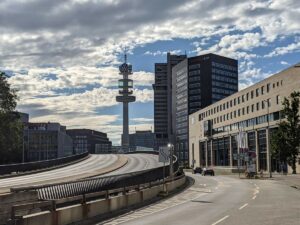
(224, 200)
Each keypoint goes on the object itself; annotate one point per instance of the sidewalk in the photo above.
(292, 180)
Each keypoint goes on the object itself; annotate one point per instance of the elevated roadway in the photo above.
(95, 165)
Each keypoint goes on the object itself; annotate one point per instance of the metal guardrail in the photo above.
(85, 186)
(24, 167)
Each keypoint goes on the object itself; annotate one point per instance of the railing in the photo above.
(85, 186)
(20, 210)
(24, 167)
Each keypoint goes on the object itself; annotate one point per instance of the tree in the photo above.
(11, 130)
(286, 141)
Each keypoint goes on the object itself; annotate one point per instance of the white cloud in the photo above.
(294, 47)
(284, 63)
(78, 43)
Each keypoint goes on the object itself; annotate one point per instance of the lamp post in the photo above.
(171, 147)
(268, 128)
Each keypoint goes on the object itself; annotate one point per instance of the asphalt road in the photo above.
(223, 200)
(91, 166)
(137, 162)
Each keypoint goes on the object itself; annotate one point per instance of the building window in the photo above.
(243, 98)
(243, 111)
(247, 96)
(252, 108)
(257, 92)
(238, 100)
(268, 88)
(277, 99)
(239, 112)
(262, 90)
(252, 94)
(234, 101)
(273, 85)
(277, 83)
(230, 103)
(257, 106)
(262, 105)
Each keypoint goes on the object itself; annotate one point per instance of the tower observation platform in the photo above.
(125, 96)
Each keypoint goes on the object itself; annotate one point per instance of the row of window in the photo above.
(195, 72)
(225, 85)
(243, 111)
(224, 66)
(248, 123)
(195, 66)
(223, 72)
(226, 79)
(222, 91)
(238, 100)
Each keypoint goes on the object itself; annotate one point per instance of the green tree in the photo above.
(11, 129)
(286, 141)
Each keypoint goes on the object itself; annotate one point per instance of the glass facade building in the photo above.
(200, 81)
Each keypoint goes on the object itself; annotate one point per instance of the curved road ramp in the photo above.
(73, 202)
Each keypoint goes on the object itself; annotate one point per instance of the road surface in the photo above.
(93, 166)
(221, 200)
(137, 162)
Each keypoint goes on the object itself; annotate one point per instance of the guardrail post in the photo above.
(83, 200)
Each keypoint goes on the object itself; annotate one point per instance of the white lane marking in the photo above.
(254, 197)
(220, 220)
(243, 206)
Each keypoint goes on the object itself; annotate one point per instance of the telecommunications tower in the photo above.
(125, 91)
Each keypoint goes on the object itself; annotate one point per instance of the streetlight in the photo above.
(171, 147)
(268, 128)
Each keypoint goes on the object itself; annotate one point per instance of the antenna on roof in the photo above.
(125, 55)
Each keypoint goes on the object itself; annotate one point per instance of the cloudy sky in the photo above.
(63, 55)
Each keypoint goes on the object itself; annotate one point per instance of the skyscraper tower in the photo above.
(125, 91)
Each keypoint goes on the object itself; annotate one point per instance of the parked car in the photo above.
(210, 172)
(198, 170)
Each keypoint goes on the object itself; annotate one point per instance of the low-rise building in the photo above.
(255, 111)
(142, 139)
(89, 140)
(43, 141)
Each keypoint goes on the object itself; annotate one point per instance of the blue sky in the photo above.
(65, 64)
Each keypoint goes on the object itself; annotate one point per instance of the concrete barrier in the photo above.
(10, 199)
(80, 212)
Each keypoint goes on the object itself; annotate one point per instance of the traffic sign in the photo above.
(164, 154)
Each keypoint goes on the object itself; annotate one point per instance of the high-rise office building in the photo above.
(197, 83)
(163, 99)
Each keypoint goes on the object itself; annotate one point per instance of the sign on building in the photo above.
(164, 154)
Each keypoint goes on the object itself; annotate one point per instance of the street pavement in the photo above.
(224, 200)
(104, 164)
(137, 162)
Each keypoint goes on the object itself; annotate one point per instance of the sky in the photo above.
(63, 55)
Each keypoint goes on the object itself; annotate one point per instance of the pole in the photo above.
(23, 155)
(171, 161)
(269, 149)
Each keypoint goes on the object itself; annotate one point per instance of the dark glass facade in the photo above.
(200, 81)
(163, 99)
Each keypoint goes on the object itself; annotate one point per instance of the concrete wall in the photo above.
(8, 200)
(79, 212)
